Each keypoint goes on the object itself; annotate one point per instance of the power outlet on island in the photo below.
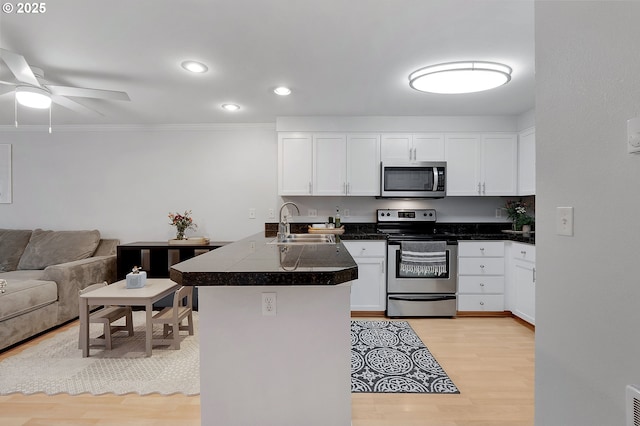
(269, 307)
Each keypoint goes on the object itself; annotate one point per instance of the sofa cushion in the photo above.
(12, 245)
(22, 296)
(27, 274)
(54, 247)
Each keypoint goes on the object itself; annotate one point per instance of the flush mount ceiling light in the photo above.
(33, 97)
(194, 66)
(282, 91)
(460, 77)
(230, 107)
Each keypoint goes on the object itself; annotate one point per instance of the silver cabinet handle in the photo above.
(382, 267)
(479, 189)
(524, 253)
(483, 188)
(481, 266)
(481, 284)
(482, 250)
(481, 303)
(534, 275)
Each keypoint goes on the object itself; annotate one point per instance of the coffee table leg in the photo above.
(149, 327)
(84, 327)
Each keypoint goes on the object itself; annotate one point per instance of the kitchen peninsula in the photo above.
(290, 364)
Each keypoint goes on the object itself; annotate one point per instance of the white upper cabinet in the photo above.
(500, 164)
(328, 164)
(463, 164)
(407, 147)
(481, 164)
(527, 162)
(363, 164)
(295, 164)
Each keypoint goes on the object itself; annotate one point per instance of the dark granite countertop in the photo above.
(453, 231)
(254, 261)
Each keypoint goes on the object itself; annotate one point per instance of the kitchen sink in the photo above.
(306, 239)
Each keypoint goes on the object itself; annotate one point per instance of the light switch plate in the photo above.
(564, 221)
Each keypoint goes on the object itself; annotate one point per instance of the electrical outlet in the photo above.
(269, 304)
(271, 214)
(346, 213)
(252, 213)
(498, 213)
(313, 213)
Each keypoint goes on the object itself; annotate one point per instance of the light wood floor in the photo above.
(491, 361)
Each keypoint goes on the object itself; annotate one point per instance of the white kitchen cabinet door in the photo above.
(396, 148)
(525, 283)
(330, 164)
(527, 162)
(363, 165)
(369, 291)
(499, 164)
(428, 147)
(295, 164)
(463, 164)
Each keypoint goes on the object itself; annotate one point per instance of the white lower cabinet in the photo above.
(481, 281)
(369, 291)
(522, 281)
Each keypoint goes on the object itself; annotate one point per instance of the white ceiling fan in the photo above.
(32, 90)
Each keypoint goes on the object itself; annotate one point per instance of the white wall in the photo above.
(588, 285)
(124, 181)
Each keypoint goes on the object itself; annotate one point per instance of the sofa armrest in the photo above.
(71, 277)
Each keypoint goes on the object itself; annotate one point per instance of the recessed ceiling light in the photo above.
(282, 91)
(230, 107)
(193, 66)
(460, 77)
(33, 97)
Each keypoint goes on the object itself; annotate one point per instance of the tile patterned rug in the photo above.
(389, 357)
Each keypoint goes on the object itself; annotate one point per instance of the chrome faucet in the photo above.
(284, 228)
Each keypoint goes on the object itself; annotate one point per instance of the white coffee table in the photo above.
(118, 294)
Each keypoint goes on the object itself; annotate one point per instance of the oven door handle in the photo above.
(422, 298)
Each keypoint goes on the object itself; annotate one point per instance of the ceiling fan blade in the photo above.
(7, 83)
(88, 93)
(19, 67)
(74, 106)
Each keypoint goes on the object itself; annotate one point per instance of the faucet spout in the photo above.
(284, 227)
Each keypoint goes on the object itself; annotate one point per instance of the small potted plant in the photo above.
(517, 212)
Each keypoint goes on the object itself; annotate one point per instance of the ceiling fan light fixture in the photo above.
(195, 67)
(33, 97)
(460, 77)
(230, 107)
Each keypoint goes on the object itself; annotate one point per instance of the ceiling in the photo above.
(347, 58)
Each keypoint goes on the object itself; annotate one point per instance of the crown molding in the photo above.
(204, 127)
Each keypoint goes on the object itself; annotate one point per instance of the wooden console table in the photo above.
(156, 257)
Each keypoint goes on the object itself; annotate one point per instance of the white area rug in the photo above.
(56, 365)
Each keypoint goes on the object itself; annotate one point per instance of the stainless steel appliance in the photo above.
(425, 295)
(425, 179)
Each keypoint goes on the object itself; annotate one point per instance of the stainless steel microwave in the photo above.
(426, 179)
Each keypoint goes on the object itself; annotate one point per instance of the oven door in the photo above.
(421, 285)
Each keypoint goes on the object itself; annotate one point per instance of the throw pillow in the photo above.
(12, 245)
(54, 247)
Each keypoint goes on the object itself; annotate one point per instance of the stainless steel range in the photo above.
(422, 264)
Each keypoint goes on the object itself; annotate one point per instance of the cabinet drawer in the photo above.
(481, 248)
(481, 266)
(481, 302)
(476, 284)
(366, 248)
(526, 252)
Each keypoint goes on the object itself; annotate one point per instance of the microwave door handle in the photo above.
(435, 179)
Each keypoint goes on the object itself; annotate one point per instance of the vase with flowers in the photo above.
(182, 222)
(517, 212)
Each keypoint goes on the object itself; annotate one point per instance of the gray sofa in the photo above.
(44, 271)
